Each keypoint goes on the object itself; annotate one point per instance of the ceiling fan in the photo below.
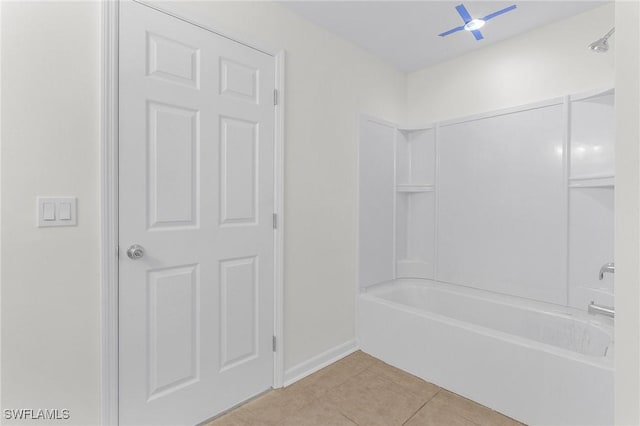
(473, 25)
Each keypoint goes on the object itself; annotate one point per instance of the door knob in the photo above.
(135, 252)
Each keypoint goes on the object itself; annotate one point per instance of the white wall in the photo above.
(50, 133)
(50, 144)
(541, 64)
(627, 210)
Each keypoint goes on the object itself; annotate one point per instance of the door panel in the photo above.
(196, 191)
(173, 356)
(239, 172)
(173, 61)
(173, 165)
(238, 80)
(238, 311)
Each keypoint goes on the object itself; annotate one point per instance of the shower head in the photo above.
(602, 45)
(599, 46)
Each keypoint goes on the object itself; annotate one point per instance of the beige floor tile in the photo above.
(230, 419)
(337, 373)
(438, 414)
(370, 399)
(360, 389)
(472, 411)
(413, 384)
(359, 360)
(318, 413)
(274, 407)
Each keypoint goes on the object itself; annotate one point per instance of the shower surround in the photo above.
(480, 242)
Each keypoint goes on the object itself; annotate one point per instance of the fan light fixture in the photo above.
(472, 24)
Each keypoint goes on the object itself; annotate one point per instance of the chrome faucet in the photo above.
(607, 267)
(594, 309)
(608, 311)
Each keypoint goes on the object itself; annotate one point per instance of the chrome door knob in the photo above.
(135, 252)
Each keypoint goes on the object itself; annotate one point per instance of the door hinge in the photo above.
(117, 251)
(275, 96)
(274, 342)
(275, 221)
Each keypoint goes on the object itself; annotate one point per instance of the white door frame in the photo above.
(109, 207)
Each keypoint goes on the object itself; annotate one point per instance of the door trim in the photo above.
(109, 206)
(109, 213)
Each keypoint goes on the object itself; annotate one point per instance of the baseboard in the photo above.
(318, 362)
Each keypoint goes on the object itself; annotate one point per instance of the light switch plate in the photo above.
(56, 211)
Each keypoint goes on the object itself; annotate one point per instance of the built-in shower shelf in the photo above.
(599, 181)
(407, 130)
(415, 188)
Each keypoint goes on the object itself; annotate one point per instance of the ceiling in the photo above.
(405, 33)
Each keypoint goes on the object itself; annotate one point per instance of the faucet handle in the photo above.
(607, 267)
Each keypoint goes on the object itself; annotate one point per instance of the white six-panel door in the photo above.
(196, 193)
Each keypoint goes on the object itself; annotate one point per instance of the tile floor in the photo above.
(362, 390)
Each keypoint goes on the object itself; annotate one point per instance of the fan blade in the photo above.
(500, 12)
(464, 13)
(451, 31)
(477, 34)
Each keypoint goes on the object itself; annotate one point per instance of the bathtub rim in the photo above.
(376, 292)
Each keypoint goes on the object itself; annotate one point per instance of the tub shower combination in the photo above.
(535, 362)
(485, 249)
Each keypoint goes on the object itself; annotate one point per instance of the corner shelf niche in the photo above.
(415, 202)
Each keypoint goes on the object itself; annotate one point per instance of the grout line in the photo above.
(477, 404)
(470, 420)
(415, 412)
(348, 418)
(434, 395)
(423, 405)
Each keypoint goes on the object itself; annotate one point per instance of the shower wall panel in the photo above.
(376, 168)
(516, 201)
(502, 204)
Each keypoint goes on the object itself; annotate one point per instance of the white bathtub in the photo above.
(541, 364)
